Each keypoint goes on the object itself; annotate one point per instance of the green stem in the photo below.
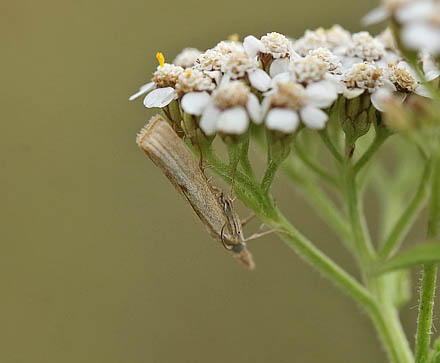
(379, 139)
(269, 176)
(363, 244)
(244, 158)
(407, 218)
(390, 330)
(427, 291)
(333, 150)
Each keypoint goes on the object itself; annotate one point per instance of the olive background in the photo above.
(100, 259)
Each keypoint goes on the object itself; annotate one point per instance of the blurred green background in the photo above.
(101, 260)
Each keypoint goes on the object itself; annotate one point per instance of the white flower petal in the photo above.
(321, 94)
(415, 11)
(282, 119)
(422, 37)
(379, 97)
(348, 62)
(160, 97)
(350, 93)
(265, 106)
(335, 81)
(429, 67)
(422, 91)
(375, 16)
(142, 90)
(208, 121)
(389, 86)
(253, 46)
(195, 102)
(282, 78)
(233, 121)
(254, 109)
(279, 65)
(313, 117)
(259, 79)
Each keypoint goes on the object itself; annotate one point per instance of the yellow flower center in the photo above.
(188, 72)
(160, 58)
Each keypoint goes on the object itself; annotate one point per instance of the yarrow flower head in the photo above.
(187, 57)
(295, 81)
(333, 62)
(365, 48)
(193, 80)
(335, 39)
(227, 110)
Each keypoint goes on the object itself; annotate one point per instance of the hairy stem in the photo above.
(427, 290)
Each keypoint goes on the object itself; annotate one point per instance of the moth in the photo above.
(214, 208)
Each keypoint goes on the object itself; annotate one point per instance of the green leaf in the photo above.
(425, 253)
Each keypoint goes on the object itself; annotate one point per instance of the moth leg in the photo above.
(234, 170)
(225, 244)
(265, 233)
(248, 219)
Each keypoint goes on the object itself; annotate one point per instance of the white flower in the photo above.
(362, 77)
(418, 20)
(335, 39)
(273, 44)
(289, 102)
(365, 48)
(187, 57)
(382, 84)
(226, 47)
(388, 40)
(312, 39)
(332, 61)
(237, 64)
(161, 90)
(308, 69)
(193, 80)
(211, 60)
(384, 11)
(227, 110)
(312, 70)
(422, 35)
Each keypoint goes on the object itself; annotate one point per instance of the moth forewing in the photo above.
(172, 156)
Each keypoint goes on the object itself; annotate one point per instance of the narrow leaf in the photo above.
(425, 253)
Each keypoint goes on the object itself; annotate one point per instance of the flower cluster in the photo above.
(281, 82)
(418, 20)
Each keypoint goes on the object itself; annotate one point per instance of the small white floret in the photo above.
(283, 120)
(233, 121)
(160, 97)
(195, 102)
